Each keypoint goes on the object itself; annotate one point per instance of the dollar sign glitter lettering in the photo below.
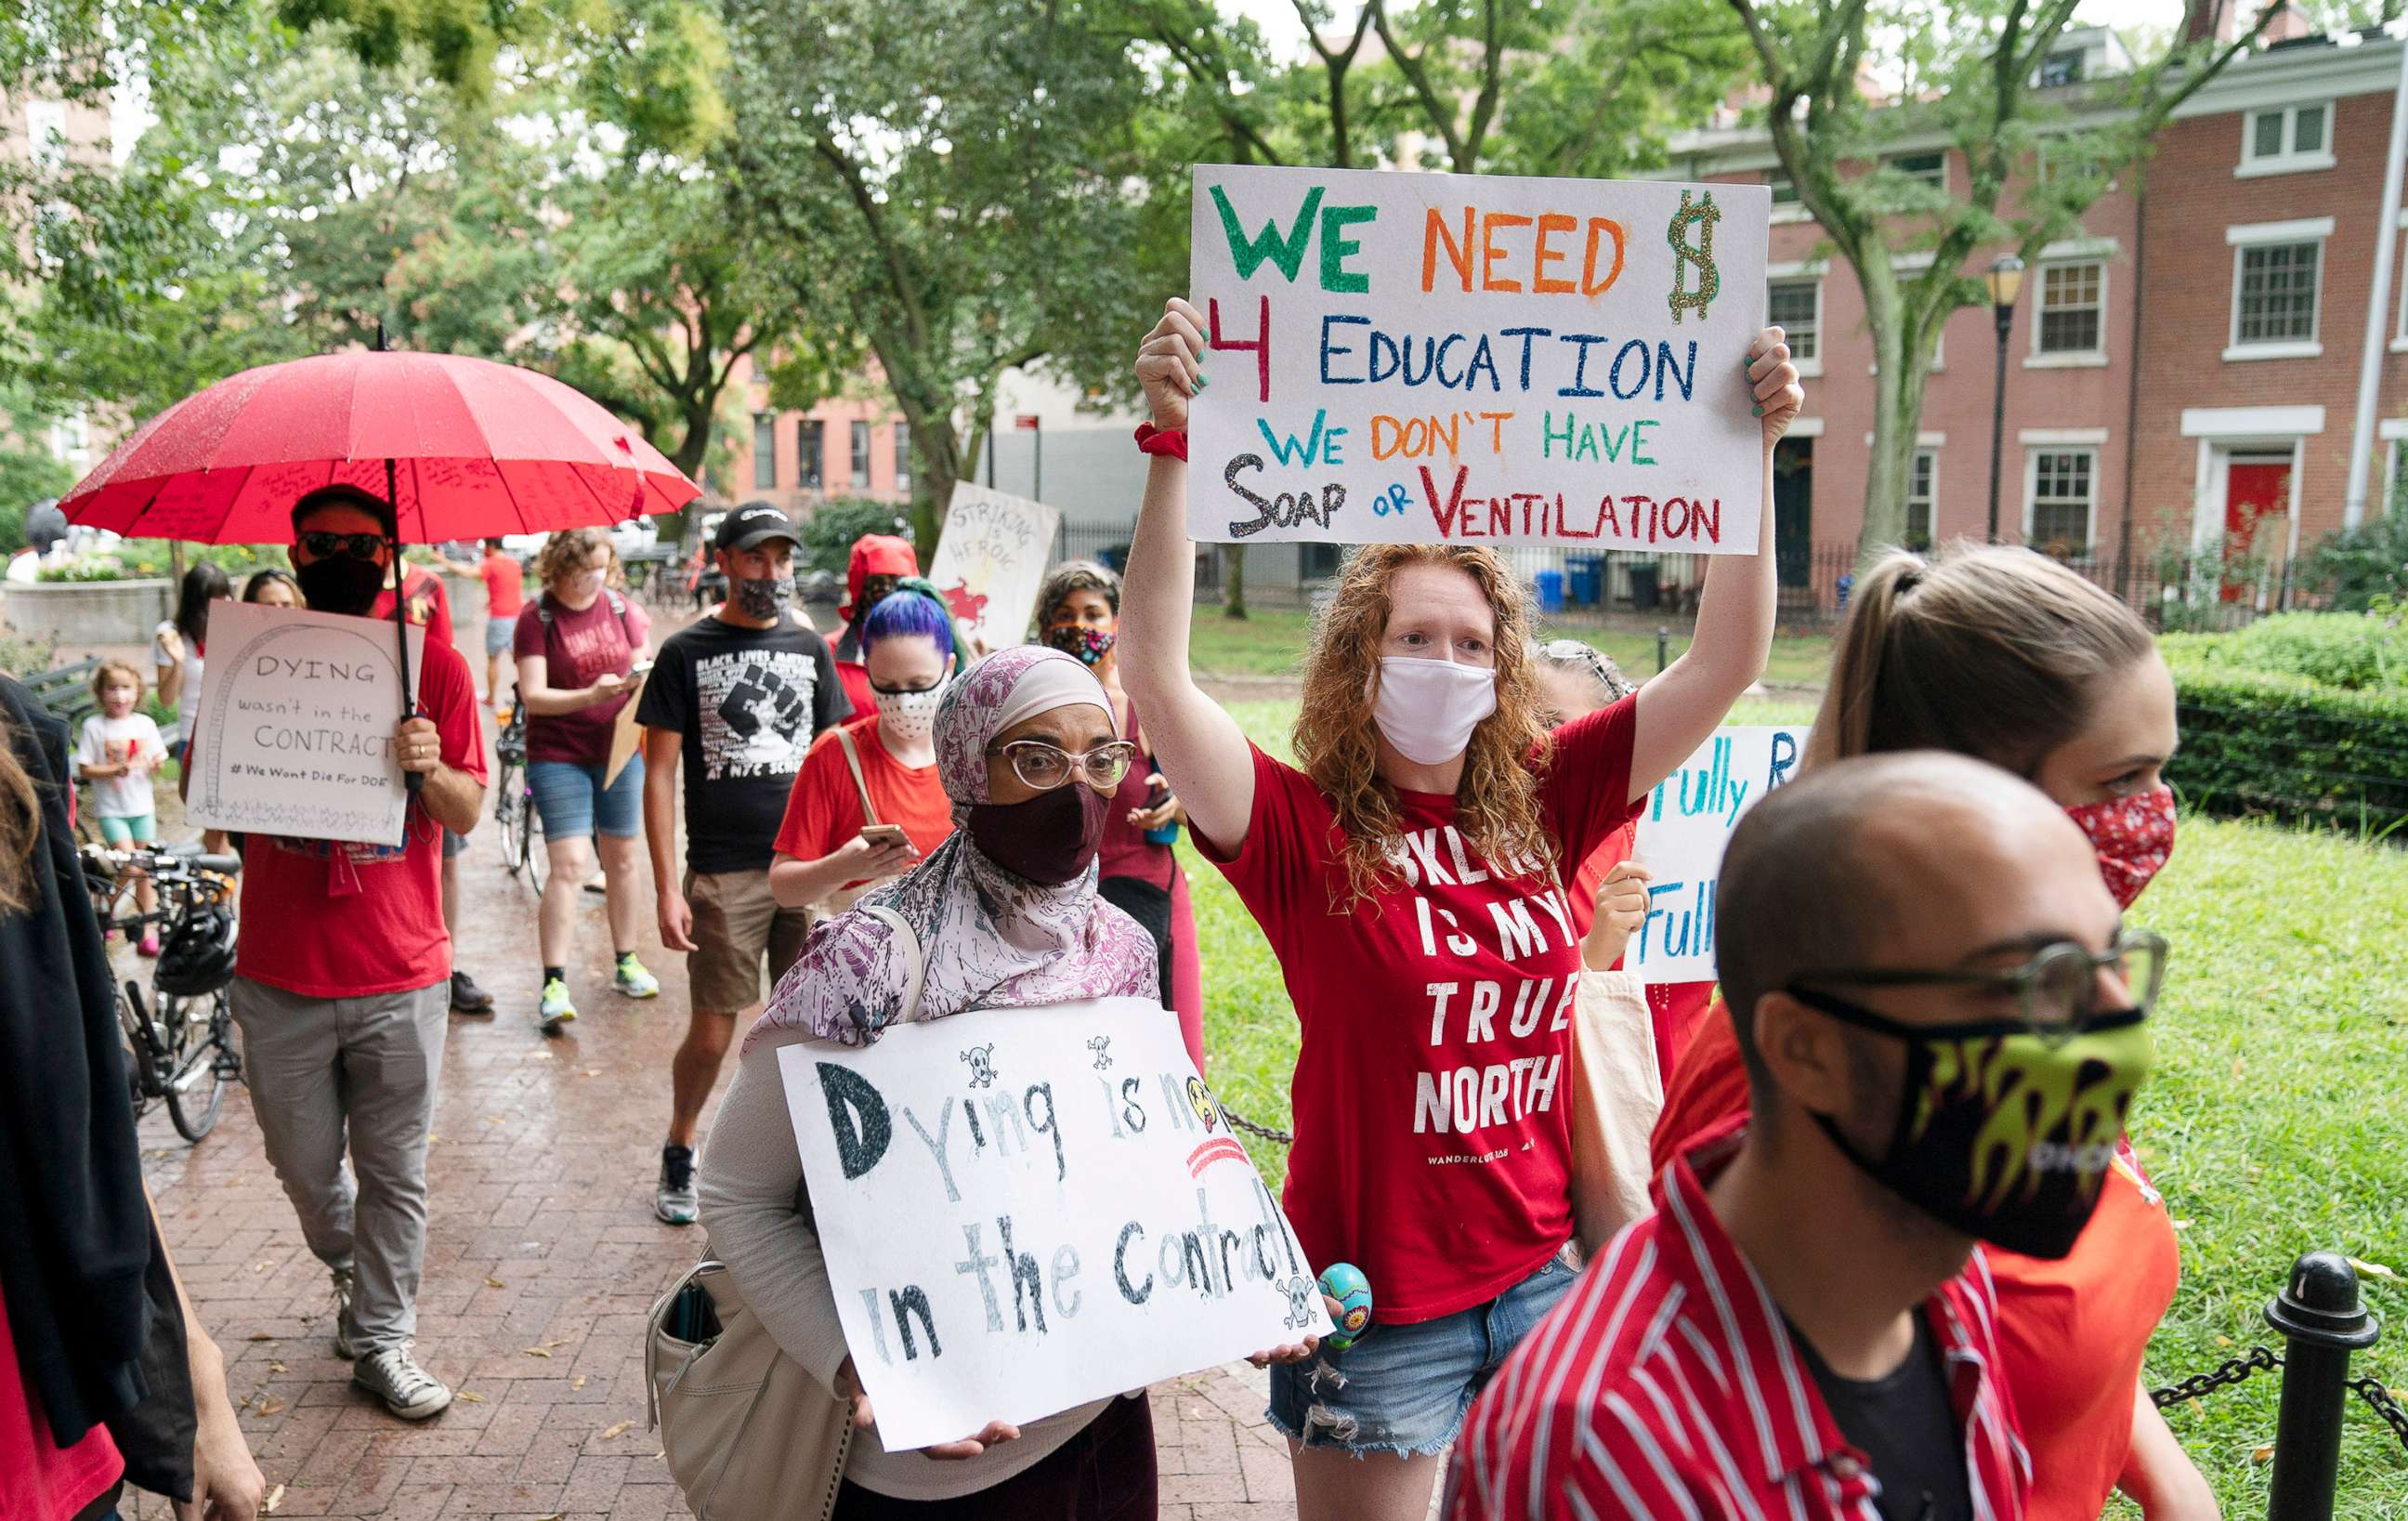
(1710, 281)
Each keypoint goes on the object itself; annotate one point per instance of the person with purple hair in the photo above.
(867, 803)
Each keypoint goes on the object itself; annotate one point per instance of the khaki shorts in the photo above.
(735, 921)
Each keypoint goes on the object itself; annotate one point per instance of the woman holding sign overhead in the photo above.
(1408, 872)
(1004, 914)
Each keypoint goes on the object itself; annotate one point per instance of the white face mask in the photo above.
(909, 717)
(1428, 707)
(586, 584)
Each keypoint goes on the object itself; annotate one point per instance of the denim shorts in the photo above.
(570, 800)
(1403, 1389)
(499, 632)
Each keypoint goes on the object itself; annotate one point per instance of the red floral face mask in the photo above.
(2133, 836)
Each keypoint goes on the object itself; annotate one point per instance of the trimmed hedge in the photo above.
(2258, 742)
(2355, 651)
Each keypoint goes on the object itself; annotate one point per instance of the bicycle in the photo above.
(181, 1051)
(514, 797)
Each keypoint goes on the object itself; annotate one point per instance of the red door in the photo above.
(2253, 489)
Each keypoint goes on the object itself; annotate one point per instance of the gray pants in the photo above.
(318, 1067)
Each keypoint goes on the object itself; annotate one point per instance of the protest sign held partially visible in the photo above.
(1683, 832)
(1025, 1209)
(1405, 357)
(991, 560)
(297, 712)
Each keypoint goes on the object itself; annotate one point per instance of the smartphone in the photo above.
(638, 671)
(884, 834)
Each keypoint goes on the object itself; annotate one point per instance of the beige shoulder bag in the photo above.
(748, 1434)
(843, 898)
(1616, 1094)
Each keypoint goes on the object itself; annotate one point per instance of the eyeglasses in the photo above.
(325, 546)
(2056, 992)
(1046, 766)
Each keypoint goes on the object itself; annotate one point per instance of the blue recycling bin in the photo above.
(1587, 580)
(1551, 590)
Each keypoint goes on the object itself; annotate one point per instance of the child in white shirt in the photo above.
(119, 751)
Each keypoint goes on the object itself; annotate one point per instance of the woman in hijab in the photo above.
(1007, 915)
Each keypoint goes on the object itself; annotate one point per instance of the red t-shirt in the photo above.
(823, 807)
(343, 920)
(429, 604)
(504, 584)
(1433, 1139)
(39, 1481)
(578, 649)
(2106, 1297)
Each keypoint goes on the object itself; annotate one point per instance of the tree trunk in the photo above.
(1233, 581)
(1904, 362)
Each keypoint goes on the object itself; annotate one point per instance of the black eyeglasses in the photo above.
(2057, 991)
(1046, 766)
(325, 546)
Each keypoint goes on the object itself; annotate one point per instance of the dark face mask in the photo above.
(1090, 645)
(1048, 840)
(2002, 1134)
(762, 597)
(339, 584)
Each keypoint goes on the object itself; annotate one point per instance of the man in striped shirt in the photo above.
(1936, 981)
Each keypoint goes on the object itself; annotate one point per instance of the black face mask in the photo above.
(339, 584)
(1049, 838)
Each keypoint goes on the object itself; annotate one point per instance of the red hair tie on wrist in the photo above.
(1155, 440)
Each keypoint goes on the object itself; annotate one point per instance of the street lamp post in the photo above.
(2005, 279)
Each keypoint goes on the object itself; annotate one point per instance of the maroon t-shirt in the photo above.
(578, 649)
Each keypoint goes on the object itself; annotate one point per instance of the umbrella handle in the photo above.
(412, 782)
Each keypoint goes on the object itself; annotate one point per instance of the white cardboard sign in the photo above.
(1476, 358)
(1027, 1209)
(298, 711)
(991, 560)
(1683, 833)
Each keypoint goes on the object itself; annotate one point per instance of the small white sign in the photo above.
(990, 561)
(1683, 833)
(295, 724)
(1024, 1210)
(1409, 357)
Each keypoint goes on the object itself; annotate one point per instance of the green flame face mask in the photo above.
(2001, 1133)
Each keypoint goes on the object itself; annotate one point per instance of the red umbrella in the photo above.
(477, 449)
(459, 448)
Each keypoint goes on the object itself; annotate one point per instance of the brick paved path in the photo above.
(543, 1259)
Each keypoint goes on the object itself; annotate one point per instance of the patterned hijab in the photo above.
(992, 939)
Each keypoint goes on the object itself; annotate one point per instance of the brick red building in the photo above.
(2133, 392)
(844, 446)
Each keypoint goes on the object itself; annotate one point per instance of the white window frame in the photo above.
(2071, 358)
(1785, 211)
(2081, 57)
(1931, 502)
(899, 439)
(2032, 452)
(859, 443)
(769, 420)
(2291, 160)
(2399, 259)
(1798, 273)
(2316, 230)
(1894, 160)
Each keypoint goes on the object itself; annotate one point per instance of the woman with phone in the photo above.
(576, 648)
(1079, 614)
(867, 803)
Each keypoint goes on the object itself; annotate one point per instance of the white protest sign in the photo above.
(991, 560)
(297, 711)
(1027, 1209)
(1427, 357)
(1681, 834)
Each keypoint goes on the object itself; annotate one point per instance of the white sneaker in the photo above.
(406, 1389)
(343, 1348)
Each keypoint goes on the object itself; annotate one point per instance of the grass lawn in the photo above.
(2276, 1123)
(1271, 643)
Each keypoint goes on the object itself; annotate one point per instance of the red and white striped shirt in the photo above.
(1664, 1384)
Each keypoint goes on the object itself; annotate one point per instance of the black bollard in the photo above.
(1663, 648)
(2322, 1324)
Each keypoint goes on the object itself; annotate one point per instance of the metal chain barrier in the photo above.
(1281, 1138)
(2380, 1399)
(2233, 1371)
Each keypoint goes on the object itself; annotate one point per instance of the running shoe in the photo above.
(674, 1201)
(406, 1389)
(555, 1010)
(633, 981)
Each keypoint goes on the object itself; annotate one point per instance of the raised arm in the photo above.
(1198, 745)
(1679, 709)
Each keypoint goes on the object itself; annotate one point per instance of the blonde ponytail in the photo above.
(1990, 651)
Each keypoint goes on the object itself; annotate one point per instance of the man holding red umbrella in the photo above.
(344, 1007)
